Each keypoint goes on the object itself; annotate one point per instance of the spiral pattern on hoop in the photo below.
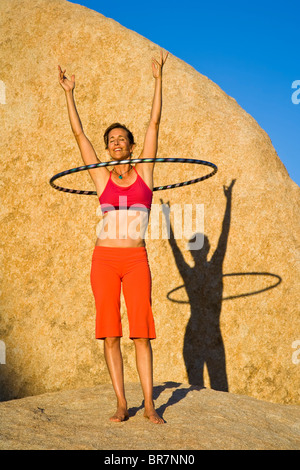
(135, 160)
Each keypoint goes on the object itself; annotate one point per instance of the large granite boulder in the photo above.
(227, 315)
(195, 419)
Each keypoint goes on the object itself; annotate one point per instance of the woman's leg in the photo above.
(106, 285)
(144, 362)
(137, 294)
(114, 361)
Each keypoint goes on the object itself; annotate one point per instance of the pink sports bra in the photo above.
(136, 196)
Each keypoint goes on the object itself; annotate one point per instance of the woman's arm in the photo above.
(151, 137)
(86, 149)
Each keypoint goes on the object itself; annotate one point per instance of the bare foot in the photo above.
(120, 415)
(153, 416)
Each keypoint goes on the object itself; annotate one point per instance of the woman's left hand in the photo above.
(157, 66)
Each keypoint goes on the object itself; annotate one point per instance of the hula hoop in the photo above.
(135, 160)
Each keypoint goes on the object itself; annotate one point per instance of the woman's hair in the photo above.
(117, 125)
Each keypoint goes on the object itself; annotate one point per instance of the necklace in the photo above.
(121, 175)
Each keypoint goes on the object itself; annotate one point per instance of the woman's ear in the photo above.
(108, 154)
(132, 149)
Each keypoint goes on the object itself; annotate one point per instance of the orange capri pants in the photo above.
(111, 267)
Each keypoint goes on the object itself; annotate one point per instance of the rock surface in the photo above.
(233, 321)
(195, 419)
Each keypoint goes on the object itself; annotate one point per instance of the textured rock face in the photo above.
(227, 316)
(194, 419)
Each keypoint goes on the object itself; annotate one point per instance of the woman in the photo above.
(120, 253)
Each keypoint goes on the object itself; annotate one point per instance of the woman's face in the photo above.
(119, 147)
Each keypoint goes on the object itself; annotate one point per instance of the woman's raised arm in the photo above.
(151, 137)
(86, 149)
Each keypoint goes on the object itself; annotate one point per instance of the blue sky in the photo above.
(249, 48)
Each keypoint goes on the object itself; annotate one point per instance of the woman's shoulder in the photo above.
(145, 173)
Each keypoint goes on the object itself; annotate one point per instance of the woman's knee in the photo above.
(111, 341)
(142, 342)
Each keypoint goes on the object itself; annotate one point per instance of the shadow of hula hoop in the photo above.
(233, 296)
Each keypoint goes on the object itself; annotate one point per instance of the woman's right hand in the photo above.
(67, 85)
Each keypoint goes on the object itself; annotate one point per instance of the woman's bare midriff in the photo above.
(122, 229)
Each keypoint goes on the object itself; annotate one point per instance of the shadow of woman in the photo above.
(203, 343)
(177, 395)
